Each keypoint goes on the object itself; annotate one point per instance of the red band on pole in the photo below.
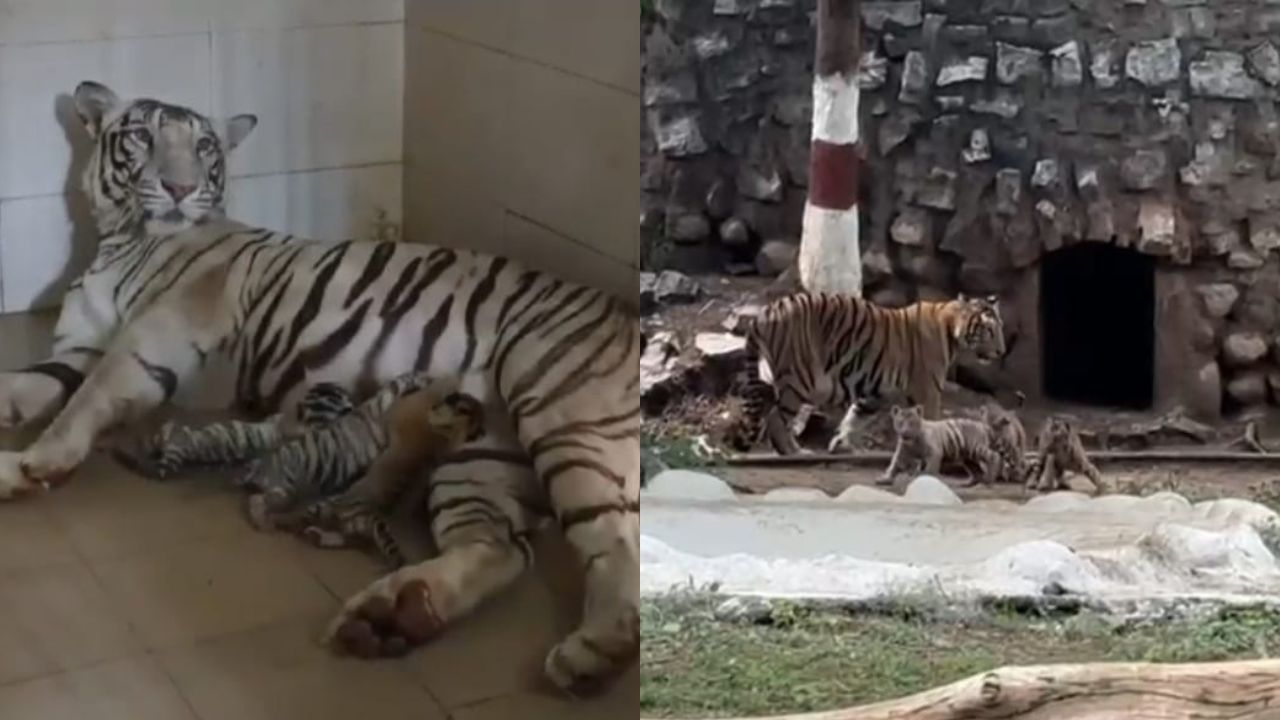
(833, 175)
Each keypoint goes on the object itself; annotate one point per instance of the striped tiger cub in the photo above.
(1058, 451)
(1009, 441)
(177, 449)
(829, 351)
(179, 298)
(925, 445)
(392, 437)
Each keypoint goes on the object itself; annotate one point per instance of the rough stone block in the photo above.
(1104, 58)
(1154, 62)
(1014, 62)
(1218, 298)
(907, 13)
(1248, 388)
(911, 227)
(1264, 232)
(1158, 227)
(1221, 74)
(1264, 63)
(1144, 169)
(979, 149)
(938, 189)
(915, 78)
(970, 69)
(1068, 71)
(1241, 349)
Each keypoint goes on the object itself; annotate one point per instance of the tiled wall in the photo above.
(522, 131)
(325, 78)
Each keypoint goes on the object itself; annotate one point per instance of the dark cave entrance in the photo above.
(1097, 325)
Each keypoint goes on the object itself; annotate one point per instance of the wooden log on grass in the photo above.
(1248, 689)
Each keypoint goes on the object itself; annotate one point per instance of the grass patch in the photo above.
(800, 660)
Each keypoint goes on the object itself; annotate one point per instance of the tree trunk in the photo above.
(830, 259)
(1103, 691)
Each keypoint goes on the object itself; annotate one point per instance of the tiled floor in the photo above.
(130, 599)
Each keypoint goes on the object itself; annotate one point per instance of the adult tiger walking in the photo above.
(830, 351)
(177, 291)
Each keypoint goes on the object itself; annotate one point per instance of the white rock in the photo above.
(866, 494)
(1251, 513)
(1058, 501)
(929, 490)
(688, 485)
(1169, 501)
(787, 494)
(1044, 562)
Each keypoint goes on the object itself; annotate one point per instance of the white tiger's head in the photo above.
(153, 163)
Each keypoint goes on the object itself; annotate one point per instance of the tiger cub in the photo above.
(1009, 441)
(1059, 450)
(327, 460)
(924, 445)
(422, 427)
(177, 449)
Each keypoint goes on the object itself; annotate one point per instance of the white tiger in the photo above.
(176, 290)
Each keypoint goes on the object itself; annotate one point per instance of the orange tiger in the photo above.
(828, 351)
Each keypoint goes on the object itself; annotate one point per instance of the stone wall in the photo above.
(995, 131)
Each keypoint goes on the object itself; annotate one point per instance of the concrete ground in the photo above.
(125, 599)
(870, 544)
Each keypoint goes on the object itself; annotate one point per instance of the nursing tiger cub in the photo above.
(832, 351)
(926, 445)
(1059, 450)
(397, 435)
(176, 292)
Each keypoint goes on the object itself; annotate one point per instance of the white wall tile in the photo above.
(324, 205)
(325, 97)
(597, 28)
(43, 21)
(275, 14)
(540, 248)
(40, 251)
(37, 124)
(572, 158)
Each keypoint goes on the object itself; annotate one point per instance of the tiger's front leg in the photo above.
(36, 392)
(143, 368)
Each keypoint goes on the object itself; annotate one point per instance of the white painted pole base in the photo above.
(830, 254)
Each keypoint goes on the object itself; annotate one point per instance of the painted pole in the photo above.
(830, 258)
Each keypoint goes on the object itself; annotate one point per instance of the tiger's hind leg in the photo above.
(482, 505)
(780, 422)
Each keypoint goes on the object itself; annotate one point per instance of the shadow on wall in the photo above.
(84, 234)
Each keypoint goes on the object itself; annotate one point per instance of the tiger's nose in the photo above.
(177, 191)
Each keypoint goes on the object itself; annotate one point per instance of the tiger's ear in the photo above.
(236, 129)
(94, 102)
(993, 299)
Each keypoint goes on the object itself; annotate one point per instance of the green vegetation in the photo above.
(800, 659)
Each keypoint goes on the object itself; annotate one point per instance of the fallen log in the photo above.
(879, 457)
(1247, 689)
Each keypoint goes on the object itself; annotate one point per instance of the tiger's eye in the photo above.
(141, 135)
(205, 145)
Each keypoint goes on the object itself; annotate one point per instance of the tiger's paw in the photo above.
(255, 507)
(386, 619)
(582, 666)
(51, 463)
(14, 483)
